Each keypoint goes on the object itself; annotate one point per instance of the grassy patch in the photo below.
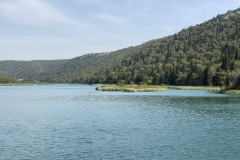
(132, 88)
(208, 88)
(154, 88)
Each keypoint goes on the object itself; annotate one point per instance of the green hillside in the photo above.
(31, 71)
(205, 54)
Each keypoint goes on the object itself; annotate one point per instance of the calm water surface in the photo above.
(77, 122)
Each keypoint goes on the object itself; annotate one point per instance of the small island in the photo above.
(153, 88)
(157, 88)
(131, 88)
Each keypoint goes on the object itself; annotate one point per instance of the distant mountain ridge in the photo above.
(205, 54)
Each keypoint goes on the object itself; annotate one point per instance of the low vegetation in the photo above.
(157, 88)
(208, 88)
(131, 88)
(153, 88)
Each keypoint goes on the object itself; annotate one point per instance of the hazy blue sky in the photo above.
(58, 29)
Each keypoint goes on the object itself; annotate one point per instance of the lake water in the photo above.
(77, 122)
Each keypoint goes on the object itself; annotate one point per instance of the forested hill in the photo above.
(30, 71)
(205, 54)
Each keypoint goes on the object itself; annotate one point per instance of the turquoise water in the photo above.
(77, 122)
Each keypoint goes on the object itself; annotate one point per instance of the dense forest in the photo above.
(6, 79)
(205, 54)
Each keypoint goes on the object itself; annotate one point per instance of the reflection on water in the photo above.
(77, 122)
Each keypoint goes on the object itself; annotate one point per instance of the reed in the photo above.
(208, 88)
(131, 88)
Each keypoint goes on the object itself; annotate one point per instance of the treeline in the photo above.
(205, 54)
(6, 79)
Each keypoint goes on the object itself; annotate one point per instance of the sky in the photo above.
(63, 29)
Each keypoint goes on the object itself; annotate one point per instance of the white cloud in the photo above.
(34, 12)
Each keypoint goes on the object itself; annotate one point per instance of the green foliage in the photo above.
(4, 79)
(121, 83)
(205, 54)
(232, 92)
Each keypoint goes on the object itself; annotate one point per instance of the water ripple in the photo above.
(77, 122)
